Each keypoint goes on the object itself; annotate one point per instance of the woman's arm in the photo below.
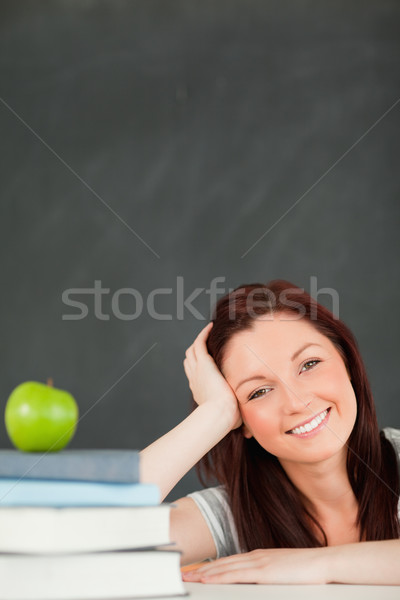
(169, 458)
(363, 563)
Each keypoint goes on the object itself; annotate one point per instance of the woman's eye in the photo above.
(260, 392)
(312, 363)
(307, 366)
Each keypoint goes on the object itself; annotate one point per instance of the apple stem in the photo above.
(50, 382)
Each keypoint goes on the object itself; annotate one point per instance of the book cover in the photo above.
(96, 576)
(40, 530)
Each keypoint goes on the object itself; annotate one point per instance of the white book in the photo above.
(63, 530)
(96, 576)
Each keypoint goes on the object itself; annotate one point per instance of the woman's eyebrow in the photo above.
(295, 355)
(252, 378)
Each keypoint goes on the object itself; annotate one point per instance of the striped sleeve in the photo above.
(214, 507)
(393, 435)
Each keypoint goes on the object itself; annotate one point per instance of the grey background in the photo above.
(147, 141)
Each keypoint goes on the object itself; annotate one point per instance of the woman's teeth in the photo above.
(311, 425)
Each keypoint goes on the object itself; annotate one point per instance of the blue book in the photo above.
(41, 492)
(115, 466)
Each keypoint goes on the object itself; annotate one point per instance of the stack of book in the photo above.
(78, 524)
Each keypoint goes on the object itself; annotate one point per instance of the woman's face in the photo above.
(293, 388)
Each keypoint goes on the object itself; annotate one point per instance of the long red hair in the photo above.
(266, 506)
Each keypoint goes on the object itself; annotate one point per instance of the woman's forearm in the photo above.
(170, 457)
(364, 563)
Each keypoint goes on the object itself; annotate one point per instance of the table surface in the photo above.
(199, 591)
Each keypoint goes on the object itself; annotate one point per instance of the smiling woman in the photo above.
(284, 420)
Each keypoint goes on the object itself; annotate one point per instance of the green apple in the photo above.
(40, 418)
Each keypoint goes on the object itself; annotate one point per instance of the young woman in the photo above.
(284, 421)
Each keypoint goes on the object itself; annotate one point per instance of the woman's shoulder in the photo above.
(393, 435)
(214, 506)
(215, 497)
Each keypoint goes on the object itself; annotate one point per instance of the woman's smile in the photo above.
(311, 427)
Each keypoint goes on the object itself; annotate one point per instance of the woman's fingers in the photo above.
(232, 569)
(202, 336)
(222, 565)
(236, 573)
(190, 354)
(199, 344)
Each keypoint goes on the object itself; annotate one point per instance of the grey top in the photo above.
(214, 506)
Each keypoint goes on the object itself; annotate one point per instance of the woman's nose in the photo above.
(294, 399)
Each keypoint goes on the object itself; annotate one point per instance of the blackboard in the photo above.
(166, 144)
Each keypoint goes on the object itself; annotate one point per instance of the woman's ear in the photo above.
(246, 432)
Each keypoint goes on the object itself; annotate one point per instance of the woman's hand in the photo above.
(207, 382)
(362, 563)
(276, 565)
